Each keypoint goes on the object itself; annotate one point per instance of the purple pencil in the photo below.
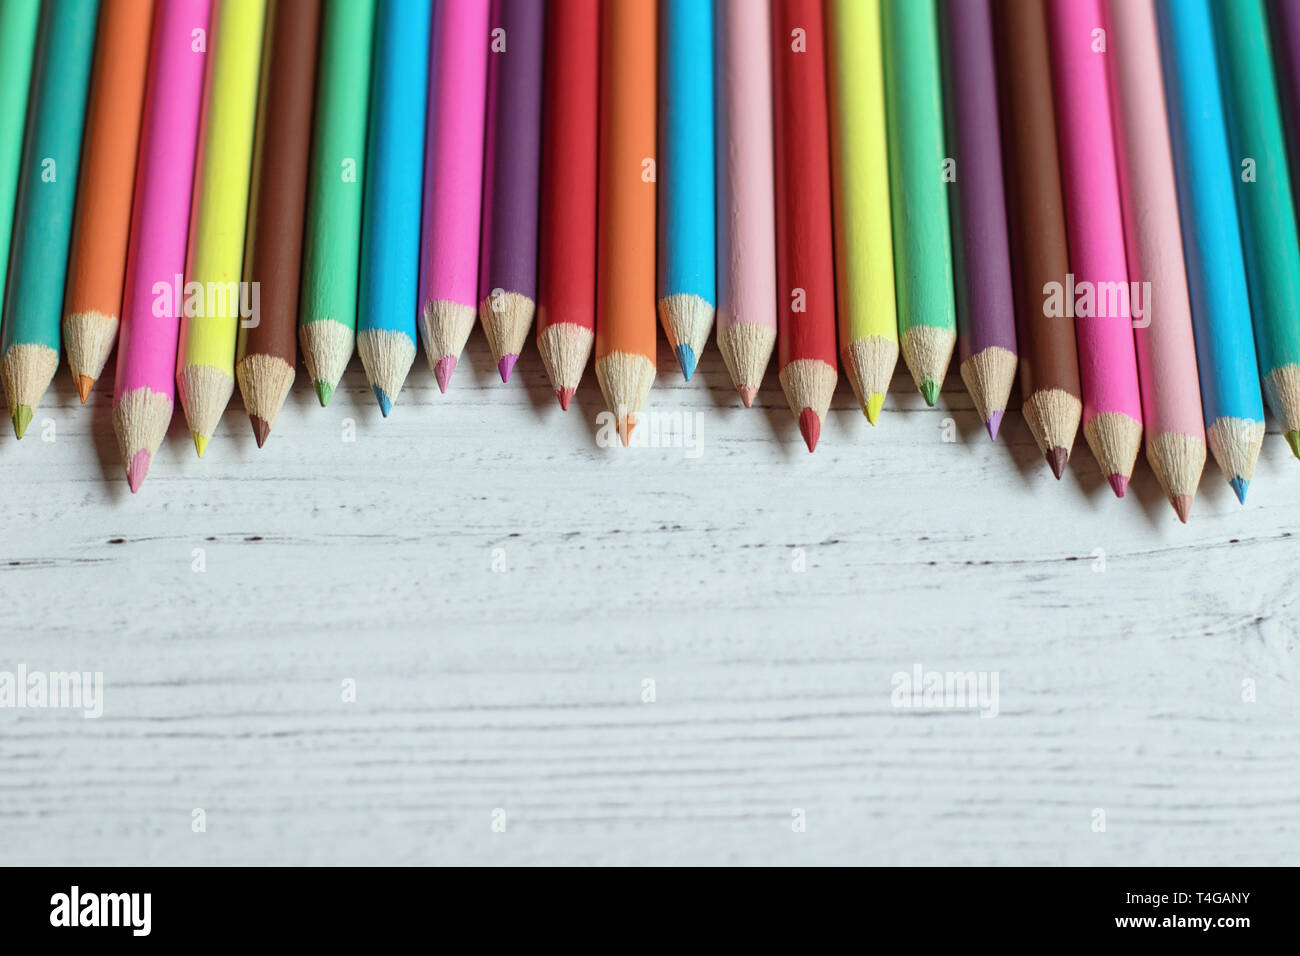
(508, 259)
(986, 329)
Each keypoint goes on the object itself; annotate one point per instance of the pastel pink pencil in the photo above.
(144, 389)
(1098, 294)
(1166, 348)
(746, 216)
(453, 181)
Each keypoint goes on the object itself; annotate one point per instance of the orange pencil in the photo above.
(97, 260)
(626, 322)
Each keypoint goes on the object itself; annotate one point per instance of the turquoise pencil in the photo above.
(390, 223)
(687, 282)
(18, 22)
(47, 193)
(1216, 270)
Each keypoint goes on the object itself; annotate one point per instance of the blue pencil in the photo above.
(1216, 270)
(390, 231)
(686, 226)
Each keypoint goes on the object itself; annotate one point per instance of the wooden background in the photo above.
(1121, 640)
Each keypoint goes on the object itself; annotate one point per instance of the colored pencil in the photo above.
(390, 225)
(144, 386)
(453, 180)
(804, 258)
(864, 252)
(566, 284)
(1049, 365)
(986, 317)
(1166, 349)
(625, 283)
(508, 256)
(1265, 199)
(332, 244)
(205, 362)
(1216, 268)
(746, 211)
(1112, 406)
(102, 228)
(267, 350)
(47, 193)
(19, 20)
(687, 284)
(927, 321)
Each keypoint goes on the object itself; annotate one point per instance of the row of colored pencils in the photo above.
(1091, 195)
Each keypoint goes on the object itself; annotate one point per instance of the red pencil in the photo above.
(804, 260)
(566, 302)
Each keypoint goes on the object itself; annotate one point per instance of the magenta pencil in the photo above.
(1098, 294)
(1166, 348)
(453, 181)
(144, 389)
(746, 211)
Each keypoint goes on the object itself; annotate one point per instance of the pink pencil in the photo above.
(453, 181)
(1098, 295)
(145, 384)
(1166, 349)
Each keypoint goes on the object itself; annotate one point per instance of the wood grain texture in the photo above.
(1119, 690)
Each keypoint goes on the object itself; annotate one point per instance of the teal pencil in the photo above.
(47, 193)
(18, 20)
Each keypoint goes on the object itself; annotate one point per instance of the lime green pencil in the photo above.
(864, 254)
(927, 315)
(215, 299)
(18, 19)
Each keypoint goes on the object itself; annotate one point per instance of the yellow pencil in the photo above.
(864, 252)
(205, 362)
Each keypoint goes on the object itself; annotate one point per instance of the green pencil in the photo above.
(1264, 198)
(332, 246)
(18, 19)
(927, 322)
(47, 193)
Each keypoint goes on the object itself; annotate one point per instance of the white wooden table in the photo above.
(500, 590)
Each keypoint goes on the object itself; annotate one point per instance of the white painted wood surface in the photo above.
(372, 560)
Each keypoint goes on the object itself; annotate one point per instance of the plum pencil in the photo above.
(1166, 349)
(1216, 269)
(1265, 202)
(390, 223)
(864, 252)
(1098, 293)
(205, 361)
(144, 387)
(267, 350)
(746, 211)
(986, 318)
(19, 21)
(508, 255)
(453, 179)
(331, 257)
(687, 283)
(625, 281)
(97, 260)
(47, 193)
(927, 323)
(805, 276)
(566, 283)
(1049, 365)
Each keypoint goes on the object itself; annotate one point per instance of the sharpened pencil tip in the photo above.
(747, 395)
(686, 359)
(136, 469)
(1293, 439)
(261, 429)
(993, 424)
(324, 392)
(1118, 484)
(21, 417)
(507, 365)
(1182, 506)
(385, 403)
(625, 426)
(875, 402)
(1056, 458)
(442, 370)
(1239, 486)
(810, 426)
(565, 395)
(930, 391)
(84, 384)
(200, 443)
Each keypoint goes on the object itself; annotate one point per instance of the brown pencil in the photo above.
(268, 344)
(1049, 361)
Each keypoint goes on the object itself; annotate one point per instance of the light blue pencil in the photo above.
(687, 283)
(390, 231)
(1216, 270)
(47, 193)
